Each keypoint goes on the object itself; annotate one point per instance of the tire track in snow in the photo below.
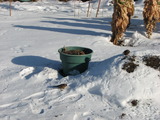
(3, 32)
(23, 100)
(39, 106)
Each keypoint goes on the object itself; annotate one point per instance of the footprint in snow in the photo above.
(18, 29)
(17, 49)
(20, 49)
(2, 32)
(37, 106)
(29, 72)
(96, 90)
(40, 105)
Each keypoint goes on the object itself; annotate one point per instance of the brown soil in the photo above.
(74, 52)
(129, 66)
(152, 61)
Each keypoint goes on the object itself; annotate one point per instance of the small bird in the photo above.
(126, 52)
(61, 86)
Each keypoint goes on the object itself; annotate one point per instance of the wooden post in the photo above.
(89, 4)
(98, 8)
(79, 8)
(10, 7)
(74, 8)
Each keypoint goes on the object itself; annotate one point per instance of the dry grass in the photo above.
(121, 19)
(151, 16)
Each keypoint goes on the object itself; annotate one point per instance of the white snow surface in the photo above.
(29, 43)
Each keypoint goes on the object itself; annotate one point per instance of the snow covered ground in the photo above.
(29, 43)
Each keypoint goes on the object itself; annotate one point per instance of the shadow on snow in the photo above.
(86, 27)
(37, 62)
(62, 30)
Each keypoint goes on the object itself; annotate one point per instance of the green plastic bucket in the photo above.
(75, 64)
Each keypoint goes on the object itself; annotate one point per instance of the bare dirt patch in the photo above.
(152, 61)
(129, 66)
(132, 62)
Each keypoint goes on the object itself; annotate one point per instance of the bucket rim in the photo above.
(60, 50)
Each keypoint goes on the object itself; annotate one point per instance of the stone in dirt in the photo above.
(134, 102)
